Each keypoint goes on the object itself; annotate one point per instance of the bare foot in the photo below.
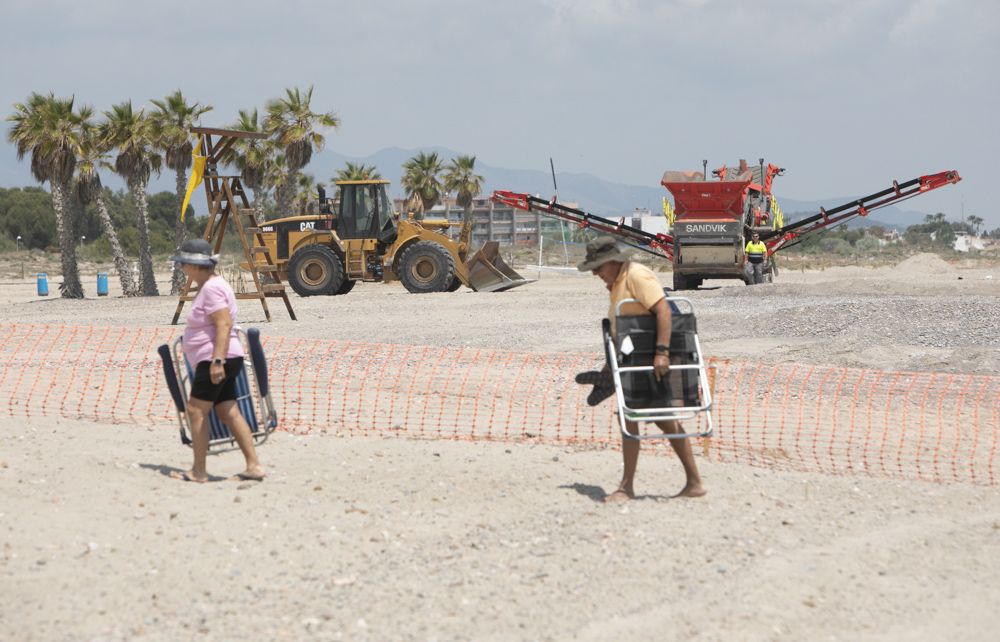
(188, 475)
(692, 490)
(253, 473)
(618, 497)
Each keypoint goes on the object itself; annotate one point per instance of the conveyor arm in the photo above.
(793, 232)
(661, 245)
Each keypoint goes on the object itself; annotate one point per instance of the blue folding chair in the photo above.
(253, 396)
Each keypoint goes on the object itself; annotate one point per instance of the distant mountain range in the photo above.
(595, 195)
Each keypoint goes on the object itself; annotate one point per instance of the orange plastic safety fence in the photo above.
(929, 426)
(915, 425)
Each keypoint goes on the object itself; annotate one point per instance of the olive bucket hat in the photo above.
(600, 251)
(195, 252)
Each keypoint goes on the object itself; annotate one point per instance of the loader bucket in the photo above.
(489, 273)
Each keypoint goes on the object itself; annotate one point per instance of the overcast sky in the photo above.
(846, 94)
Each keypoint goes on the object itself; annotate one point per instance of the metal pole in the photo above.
(562, 224)
(704, 170)
(539, 219)
(489, 226)
(766, 205)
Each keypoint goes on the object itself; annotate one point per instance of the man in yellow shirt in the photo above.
(628, 280)
(756, 252)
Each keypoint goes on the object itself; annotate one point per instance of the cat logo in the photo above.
(306, 225)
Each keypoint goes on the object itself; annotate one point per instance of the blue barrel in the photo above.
(102, 284)
(43, 284)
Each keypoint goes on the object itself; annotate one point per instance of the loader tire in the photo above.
(315, 270)
(455, 284)
(346, 287)
(426, 267)
(680, 283)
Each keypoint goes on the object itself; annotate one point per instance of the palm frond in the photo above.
(47, 128)
(171, 128)
(460, 177)
(133, 134)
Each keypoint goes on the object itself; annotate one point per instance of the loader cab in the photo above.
(365, 211)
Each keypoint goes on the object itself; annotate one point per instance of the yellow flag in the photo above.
(778, 219)
(197, 172)
(668, 211)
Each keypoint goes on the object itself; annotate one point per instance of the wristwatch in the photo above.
(662, 349)
(218, 362)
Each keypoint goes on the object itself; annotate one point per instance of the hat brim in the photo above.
(590, 266)
(193, 259)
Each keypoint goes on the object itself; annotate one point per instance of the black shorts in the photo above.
(642, 390)
(202, 387)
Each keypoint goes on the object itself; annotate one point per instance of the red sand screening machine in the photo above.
(714, 219)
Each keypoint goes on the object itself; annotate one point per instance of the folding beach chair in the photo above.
(253, 396)
(683, 393)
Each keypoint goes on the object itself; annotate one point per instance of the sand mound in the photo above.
(925, 263)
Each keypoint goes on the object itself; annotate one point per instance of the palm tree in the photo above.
(295, 129)
(92, 154)
(974, 223)
(254, 158)
(48, 129)
(420, 179)
(134, 135)
(460, 177)
(306, 191)
(173, 122)
(276, 179)
(359, 172)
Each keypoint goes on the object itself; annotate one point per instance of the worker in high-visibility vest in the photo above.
(756, 252)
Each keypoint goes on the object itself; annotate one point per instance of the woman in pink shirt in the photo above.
(212, 347)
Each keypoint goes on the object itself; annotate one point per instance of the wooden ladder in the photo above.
(226, 198)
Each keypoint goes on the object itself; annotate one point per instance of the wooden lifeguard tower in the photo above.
(226, 198)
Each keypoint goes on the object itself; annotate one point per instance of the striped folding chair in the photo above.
(253, 396)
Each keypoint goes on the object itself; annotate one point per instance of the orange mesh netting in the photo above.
(913, 425)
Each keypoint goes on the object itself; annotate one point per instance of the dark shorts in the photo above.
(202, 387)
(642, 390)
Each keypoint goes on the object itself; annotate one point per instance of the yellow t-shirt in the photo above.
(635, 281)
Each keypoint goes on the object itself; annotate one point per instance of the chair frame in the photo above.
(253, 395)
(678, 413)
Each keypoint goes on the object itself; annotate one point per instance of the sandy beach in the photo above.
(393, 538)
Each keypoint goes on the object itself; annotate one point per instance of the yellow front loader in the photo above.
(364, 240)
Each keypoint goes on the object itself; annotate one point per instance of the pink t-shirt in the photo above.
(199, 333)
